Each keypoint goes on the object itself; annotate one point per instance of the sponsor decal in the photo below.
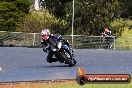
(83, 78)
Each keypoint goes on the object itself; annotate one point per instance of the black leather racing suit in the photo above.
(48, 44)
(108, 39)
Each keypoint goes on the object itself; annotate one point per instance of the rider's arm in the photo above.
(45, 46)
(104, 34)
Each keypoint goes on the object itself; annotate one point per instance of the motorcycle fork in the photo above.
(69, 53)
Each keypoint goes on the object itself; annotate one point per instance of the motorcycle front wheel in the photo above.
(69, 60)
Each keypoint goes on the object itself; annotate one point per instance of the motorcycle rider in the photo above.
(108, 40)
(106, 32)
(46, 40)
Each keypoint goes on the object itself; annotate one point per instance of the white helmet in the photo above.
(45, 34)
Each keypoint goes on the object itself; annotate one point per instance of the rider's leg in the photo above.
(49, 57)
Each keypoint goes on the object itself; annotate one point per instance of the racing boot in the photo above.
(50, 60)
(49, 57)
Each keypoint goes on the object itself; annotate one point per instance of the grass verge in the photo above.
(61, 84)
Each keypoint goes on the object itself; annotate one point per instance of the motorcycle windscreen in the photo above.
(65, 47)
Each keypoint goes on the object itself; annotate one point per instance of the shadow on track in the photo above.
(59, 66)
(46, 67)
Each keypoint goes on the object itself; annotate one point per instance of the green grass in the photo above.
(75, 85)
(123, 27)
(125, 41)
(127, 32)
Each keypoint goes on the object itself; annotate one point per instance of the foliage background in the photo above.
(11, 12)
(90, 16)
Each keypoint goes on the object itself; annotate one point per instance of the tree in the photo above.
(56, 7)
(11, 11)
(90, 15)
(127, 6)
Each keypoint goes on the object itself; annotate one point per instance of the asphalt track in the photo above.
(27, 64)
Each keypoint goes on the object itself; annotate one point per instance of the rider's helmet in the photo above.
(45, 33)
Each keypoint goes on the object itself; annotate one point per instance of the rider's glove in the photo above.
(45, 50)
(42, 42)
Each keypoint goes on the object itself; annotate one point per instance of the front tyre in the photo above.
(71, 61)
